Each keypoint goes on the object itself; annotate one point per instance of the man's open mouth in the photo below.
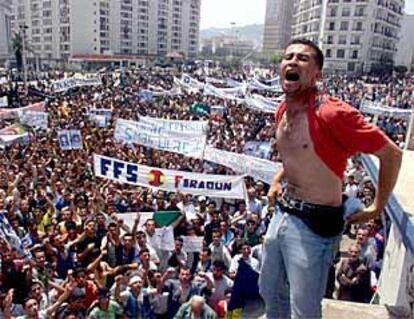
(292, 76)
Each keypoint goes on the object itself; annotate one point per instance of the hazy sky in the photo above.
(220, 13)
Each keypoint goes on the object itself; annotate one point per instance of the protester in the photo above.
(303, 239)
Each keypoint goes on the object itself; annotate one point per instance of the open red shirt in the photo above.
(338, 131)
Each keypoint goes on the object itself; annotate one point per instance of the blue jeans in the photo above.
(295, 268)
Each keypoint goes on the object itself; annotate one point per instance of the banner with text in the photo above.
(140, 133)
(34, 119)
(375, 108)
(261, 104)
(70, 83)
(221, 186)
(163, 126)
(6, 114)
(257, 168)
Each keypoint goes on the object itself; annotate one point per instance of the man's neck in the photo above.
(300, 101)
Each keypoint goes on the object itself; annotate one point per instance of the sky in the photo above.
(220, 13)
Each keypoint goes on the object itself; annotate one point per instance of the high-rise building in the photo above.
(277, 29)
(60, 29)
(5, 29)
(405, 48)
(355, 35)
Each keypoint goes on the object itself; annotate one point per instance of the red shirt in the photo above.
(338, 131)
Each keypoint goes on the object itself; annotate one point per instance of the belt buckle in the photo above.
(298, 204)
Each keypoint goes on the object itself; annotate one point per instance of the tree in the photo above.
(17, 46)
(276, 58)
(400, 69)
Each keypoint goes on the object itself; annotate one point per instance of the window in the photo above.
(359, 26)
(328, 53)
(354, 54)
(330, 39)
(360, 11)
(344, 26)
(342, 39)
(332, 12)
(351, 66)
(346, 12)
(340, 54)
(331, 26)
(356, 39)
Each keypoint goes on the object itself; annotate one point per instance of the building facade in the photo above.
(227, 46)
(355, 35)
(60, 29)
(405, 48)
(277, 28)
(5, 30)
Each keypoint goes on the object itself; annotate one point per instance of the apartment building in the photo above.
(355, 35)
(405, 52)
(61, 29)
(5, 30)
(277, 28)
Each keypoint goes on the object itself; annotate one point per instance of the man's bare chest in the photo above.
(293, 134)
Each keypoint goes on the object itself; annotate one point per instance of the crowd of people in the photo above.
(80, 259)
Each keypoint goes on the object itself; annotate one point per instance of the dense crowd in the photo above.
(80, 259)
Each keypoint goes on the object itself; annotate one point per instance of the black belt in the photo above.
(324, 220)
(288, 203)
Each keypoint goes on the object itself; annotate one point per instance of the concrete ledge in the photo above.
(335, 309)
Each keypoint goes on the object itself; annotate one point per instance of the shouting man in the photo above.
(316, 134)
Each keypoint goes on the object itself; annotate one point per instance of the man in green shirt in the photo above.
(104, 308)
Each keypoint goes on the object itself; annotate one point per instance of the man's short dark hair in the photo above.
(319, 58)
(219, 264)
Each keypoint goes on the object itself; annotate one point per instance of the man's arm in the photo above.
(390, 157)
(276, 187)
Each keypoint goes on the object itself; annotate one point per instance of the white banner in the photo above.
(164, 238)
(140, 133)
(210, 90)
(70, 83)
(70, 140)
(221, 186)
(129, 218)
(185, 86)
(256, 85)
(234, 84)
(191, 81)
(257, 168)
(192, 244)
(260, 103)
(100, 117)
(160, 92)
(375, 108)
(163, 126)
(3, 101)
(215, 80)
(34, 119)
(6, 114)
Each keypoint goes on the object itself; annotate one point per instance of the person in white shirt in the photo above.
(247, 257)
(218, 250)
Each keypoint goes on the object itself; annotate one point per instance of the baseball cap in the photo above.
(201, 198)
